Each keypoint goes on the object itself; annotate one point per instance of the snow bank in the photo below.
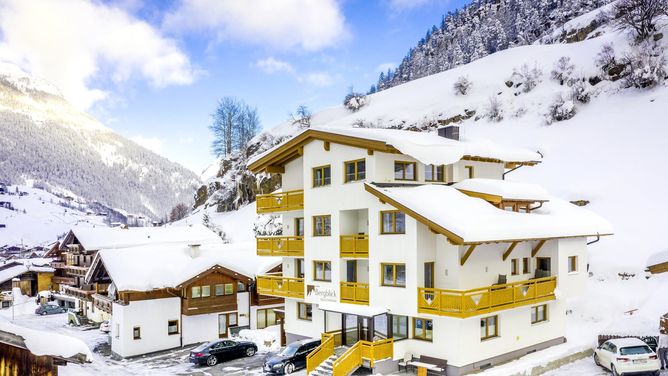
(266, 339)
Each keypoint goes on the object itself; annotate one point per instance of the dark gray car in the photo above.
(49, 309)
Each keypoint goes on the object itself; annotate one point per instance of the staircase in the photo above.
(326, 368)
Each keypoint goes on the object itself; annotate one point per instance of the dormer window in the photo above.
(434, 173)
(322, 176)
(404, 170)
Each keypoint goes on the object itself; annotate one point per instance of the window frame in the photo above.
(356, 173)
(515, 266)
(434, 169)
(192, 292)
(394, 222)
(423, 337)
(136, 333)
(534, 313)
(408, 329)
(299, 227)
(487, 335)
(324, 182)
(403, 170)
(299, 311)
(265, 312)
(526, 265)
(470, 171)
(394, 274)
(300, 268)
(169, 324)
(315, 219)
(208, 288)
(315, 270)
(572, 264)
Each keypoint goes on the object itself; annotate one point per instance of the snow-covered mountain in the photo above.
(45, 139)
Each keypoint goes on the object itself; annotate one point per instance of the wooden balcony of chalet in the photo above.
(277, 285)
(78, 293)
(102, 302)
(63, 280)
(280, 202)
(76, 271)
(468, 303)
(355, 293)
(354, 246)
(58, 265)
(283, 246)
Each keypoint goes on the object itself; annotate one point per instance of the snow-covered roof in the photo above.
(15, 268)
(467, 219)
(152, 267)
(426, 147)
(504, 189)
(12, 271)
(41, 342)
(628, 342)
(115, 237)
(353, 309)
(658, 258)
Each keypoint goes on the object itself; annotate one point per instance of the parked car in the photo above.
(291, 358)
(625, 356)
(105, 326)
(211, 353)
(49, 309)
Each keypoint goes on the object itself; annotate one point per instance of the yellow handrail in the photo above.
(280, 246)
(467, 303)
(354, 246)
(363, 350)
(283, 201)
(321, 353)
(277, 285)
(356, 293)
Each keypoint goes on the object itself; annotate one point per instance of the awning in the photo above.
(352, 309)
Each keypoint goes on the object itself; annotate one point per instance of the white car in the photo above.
(627, 356)
(105, 327)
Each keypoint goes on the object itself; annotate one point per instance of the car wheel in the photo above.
(288, 368)
(43, 313)
(596, 361)
(211, 361)
(250, 351)
(614, 370)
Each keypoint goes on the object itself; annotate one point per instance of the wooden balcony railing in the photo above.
(63, 280)
(102, 302)
(78, 271)
(58, 264)
(278, 202)
(321, 353)
(354, 246)
(363, 351)
(78, 293)
(277, 285)
(356, 293)
(280, 246)
(461, 304)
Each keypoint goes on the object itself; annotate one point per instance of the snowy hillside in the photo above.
(45, 139)
(39, 218)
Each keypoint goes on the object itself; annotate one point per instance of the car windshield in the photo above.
(289, 351)
(635, 350)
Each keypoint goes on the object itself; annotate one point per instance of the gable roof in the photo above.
(426, 147)
(470, 220)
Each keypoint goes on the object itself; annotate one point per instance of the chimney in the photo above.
(194, 250)
(451, 132)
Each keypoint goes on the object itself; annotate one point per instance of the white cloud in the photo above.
(385, 66)
(321, 79)
(271, 65)
(402, 5)
(69, 43)
(153, 144)
(310, 25)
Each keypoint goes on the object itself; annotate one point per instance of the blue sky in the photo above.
(153, 71)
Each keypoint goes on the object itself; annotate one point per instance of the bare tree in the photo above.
(640, 15)
(178, 212)
(302, 117)
(234, 124)
(462, 85)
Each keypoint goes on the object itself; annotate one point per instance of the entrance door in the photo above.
(299, 226)
(429, 275)
(351, 271)
(226, 320)
(350, 329)
(364, 329)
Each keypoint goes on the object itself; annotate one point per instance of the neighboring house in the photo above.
(383, 253)
(34, 275)
(75, 254)
(26, 351)
(167, 296)
(3, 189)
(658, 262)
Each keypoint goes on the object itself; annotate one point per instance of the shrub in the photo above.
(645, 67)
(354, 101)
(494, 111)
(563, 70)
(462, 85)
(579, 91)
(561, 109)
(527, 78)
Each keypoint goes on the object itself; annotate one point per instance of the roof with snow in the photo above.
(658, 258)
(98, 238)
(46, 343)
(497, 190)
(467, 220)
(153, 267)
(426, 147)
(15, 268)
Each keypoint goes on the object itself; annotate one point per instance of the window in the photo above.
(172, 327)
(300, 268)
(299, 226)
(526, 265)
(572, 264)
(538, 314)
(489, 327)
(136, 332)
(195, 292)
(394, 275)
(241, 287)
(422, 329)
(404, 170)
(429, 275)
(322, 225)
(393, 222)
(434, 173)
(304, 311)
(322, 176)
(206, 291)
(469, 171)
(514, 266)
(355, 170)
(224, 289)
(399, 327)
(265, 317)
(322, 271)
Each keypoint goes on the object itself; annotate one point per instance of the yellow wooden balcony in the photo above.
(280, 246)
(277, 285)
(461, 304)
(280, 202)
(354, 246)
(363, 351)
(356, 293)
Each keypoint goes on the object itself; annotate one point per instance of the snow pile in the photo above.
(506, 189)
(266, 339)
(47, 343)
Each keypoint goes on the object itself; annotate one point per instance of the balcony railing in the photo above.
(102, 302)
(354, 246)
(77, 271)
(360, 352)
(63, 280)
(278, 202)
(280, 246)
(277, 285)
(321, 353)
(78, 293)
(461, 304)
(356, 293)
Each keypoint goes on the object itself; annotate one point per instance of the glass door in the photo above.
(222, 326)
(350, 330)
(299, 226)
(351, 271)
